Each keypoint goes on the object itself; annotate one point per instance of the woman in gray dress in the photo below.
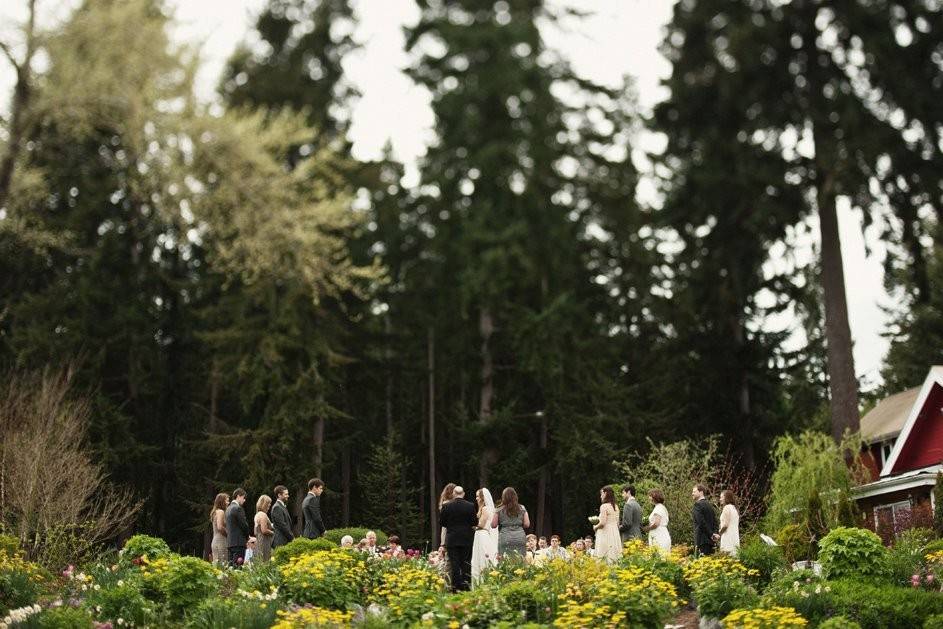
(220, 543)
(264, 532)
(511, 519)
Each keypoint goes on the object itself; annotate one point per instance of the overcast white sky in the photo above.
(620, 38)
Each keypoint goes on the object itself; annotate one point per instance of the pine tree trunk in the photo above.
(345, 486)
(541, 523)
(318, 438)
(22, 93)
(433, 506)
(486, 399)
(841, 365)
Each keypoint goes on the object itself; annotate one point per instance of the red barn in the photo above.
(903, 449)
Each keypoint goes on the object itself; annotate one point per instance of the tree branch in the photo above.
(8, 53)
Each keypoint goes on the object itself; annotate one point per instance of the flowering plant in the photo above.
(310, 617)
(764, 618)
(325, 578)
(407, 588)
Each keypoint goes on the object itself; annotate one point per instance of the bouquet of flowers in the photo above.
(593, 519)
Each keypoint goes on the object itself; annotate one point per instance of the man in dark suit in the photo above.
(705, 521)
(631, 525)
(311, 510)
(459, 518)
(281, 519)
(237, 528)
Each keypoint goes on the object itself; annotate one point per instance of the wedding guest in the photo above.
(631, 525)
(347, 542)
(237, 527)
(396, 550)
(281, 518)
(578, 549)
(446, 495)
(729, 533)
(371, 543)
(657, 528)
(588, 542)
(250, 552)
(220, 543)
(264, 532)
(705, 521)
(511, 520)
(608, 542)
(555, 550)
(542, 543)
(311, 510)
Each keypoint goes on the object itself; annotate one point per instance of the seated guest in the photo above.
(579, 547)
(371, 541)
(556, 551)
(588, 543)
(542, 543)
(530, 545)
(347, 542)
(396, 550)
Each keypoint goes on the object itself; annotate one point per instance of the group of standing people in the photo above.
(475, 535)
(236, 543)
(708, 535)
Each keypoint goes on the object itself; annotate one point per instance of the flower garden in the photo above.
(316, 584)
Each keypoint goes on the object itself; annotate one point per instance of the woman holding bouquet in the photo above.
(658, 535)
(608, 541)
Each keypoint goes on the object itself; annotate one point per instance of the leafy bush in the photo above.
(527, 598)
(804, 591)
(9, 545)
(21, 582)
(934, 546)
(64, 618)
(839, 622)
(884, 606)
(257, 576)
(796, 542)
(357, 533)
(324, 578)
(936, 620)
(851, 552)
(708, 567)
(187, 582)
(300, 546)
(124, 601)
(638, 553)
(757, 555)
(143, 546)
(224, 613)
(720, 595)
(404, 588)
(906, 557)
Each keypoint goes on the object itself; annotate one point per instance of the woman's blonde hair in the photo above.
(263, 503)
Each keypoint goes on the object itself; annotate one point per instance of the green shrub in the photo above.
(935, 621)
(804, 591)
(795, 541)
(64, 618)
(839, 622)
(934, 546)
(765, 559)
(21, 582)
(528, 598)
(884, 606)
(9, 545)
(187, 581)
(850, 552)
(906, 557)
(225, 613)
(357, 533)
(143, 546)
(257, 576)
(123, 601)
(333, 579)
(718, 596)
(300, 546)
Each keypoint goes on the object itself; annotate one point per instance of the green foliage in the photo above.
(839, 622)
(21, 582)
(934, 622)
(358, 533)
(795, 541)
(64, 618)
(884, 606)
(528, 599)
(227, 613)
(186, 582)
(805, 465)
(804, 591)
(934, 546)
(906, 557)
(755, 554)
(143, 546)
(851, 552)
(389, 501)
(10, 545)
(718, 596)
(123, 601)
(301, 546)
(257, 576)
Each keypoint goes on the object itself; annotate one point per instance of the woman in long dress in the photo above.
(485, 549)
(264, 532)
(729, 533)
(511, 519)
(445, 496)
(658, 535)
(220, 543)
(608, 541)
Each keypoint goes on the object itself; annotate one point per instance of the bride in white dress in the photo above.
(485, 549)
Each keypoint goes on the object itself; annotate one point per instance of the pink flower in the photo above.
(239, 560)
(915, 580)
(930, 577)
(67, 573)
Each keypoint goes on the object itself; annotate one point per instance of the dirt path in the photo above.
(688, 619)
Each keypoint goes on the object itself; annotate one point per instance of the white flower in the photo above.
(121, 621)
(428, 616)
(120, 582)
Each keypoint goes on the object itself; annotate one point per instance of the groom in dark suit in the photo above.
(311, 510)
(281, 519)
(459, 518)
(705, 521)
